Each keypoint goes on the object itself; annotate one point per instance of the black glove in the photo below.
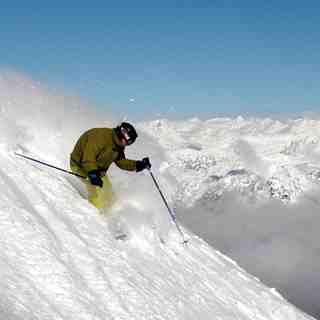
(95, 179)
(143, 164)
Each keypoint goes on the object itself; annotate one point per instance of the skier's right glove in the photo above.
(95, 179)
(143, 164)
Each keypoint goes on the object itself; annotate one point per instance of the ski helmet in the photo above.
(127, 132)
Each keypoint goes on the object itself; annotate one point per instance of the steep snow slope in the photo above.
(59, 258)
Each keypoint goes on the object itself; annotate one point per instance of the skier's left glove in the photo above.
(95, 179)
(143, 164)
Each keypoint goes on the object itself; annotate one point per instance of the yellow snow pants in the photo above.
(101, 198)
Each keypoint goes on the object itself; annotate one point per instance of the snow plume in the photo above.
(259, 201)
(59, 255)
(39, 119)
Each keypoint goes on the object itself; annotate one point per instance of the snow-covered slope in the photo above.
(59, 260)
(59, 257)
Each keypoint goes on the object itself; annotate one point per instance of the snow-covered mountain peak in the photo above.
(272, 153)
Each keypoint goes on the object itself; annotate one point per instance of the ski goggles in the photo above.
(126, 136)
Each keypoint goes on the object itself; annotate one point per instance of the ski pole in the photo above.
(171, 213)
(49, 165)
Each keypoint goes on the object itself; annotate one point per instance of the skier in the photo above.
(95, 151)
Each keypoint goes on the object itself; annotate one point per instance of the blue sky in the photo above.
(182, 58)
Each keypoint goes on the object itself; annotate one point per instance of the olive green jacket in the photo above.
(98, 148)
